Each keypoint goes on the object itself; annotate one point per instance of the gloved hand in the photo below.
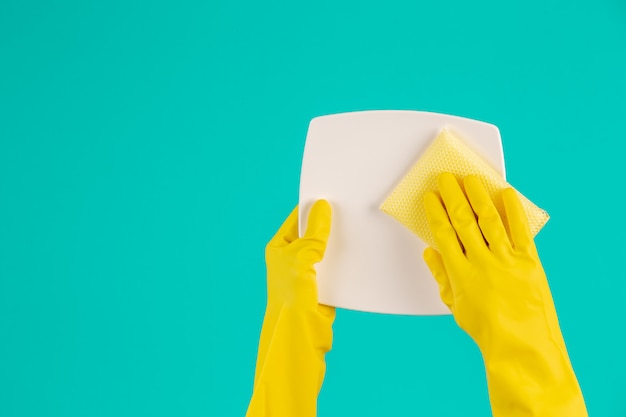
(491, 278)
(297, 331)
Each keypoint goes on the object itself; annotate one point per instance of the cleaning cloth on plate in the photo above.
(448, 153)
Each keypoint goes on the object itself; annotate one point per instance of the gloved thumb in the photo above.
(318, 226)
(437, 268)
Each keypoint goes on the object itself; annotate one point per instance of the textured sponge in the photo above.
(448, 153)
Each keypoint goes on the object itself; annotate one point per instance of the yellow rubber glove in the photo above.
(297, 331)
(491, 278)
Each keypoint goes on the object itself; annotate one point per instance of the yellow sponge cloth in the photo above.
(448, 153)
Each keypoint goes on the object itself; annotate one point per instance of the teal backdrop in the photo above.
(149, 150)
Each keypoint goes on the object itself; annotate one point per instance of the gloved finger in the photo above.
(315, 238)
(443, 232)
(288, 232)
(460, 213)
(437, 268)
(517, 221)
(318, 224)
(489, 219)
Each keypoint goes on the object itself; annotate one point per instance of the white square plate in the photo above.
(354, 160)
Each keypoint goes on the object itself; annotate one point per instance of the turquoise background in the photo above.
(149, 150)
